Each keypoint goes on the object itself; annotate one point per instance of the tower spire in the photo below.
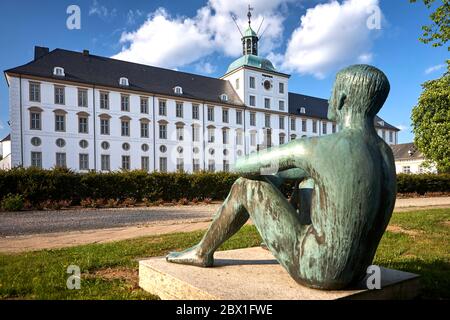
(249, 15)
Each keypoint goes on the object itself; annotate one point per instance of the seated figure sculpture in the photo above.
(354, 188)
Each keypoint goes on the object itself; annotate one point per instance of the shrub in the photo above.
(207, 200)
(129, 202)
(183, 202)
(13, 202)
(195, 200)
(112, 203)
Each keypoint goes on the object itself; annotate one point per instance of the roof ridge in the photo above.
(141, 64)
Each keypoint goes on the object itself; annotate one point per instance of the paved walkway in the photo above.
(30, 242)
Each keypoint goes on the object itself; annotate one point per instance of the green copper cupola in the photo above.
(249, 38)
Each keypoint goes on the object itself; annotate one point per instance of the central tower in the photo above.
(250, 38)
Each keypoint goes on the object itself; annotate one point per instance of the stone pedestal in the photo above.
(254, 274)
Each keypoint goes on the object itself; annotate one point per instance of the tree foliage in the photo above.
(437, 33)
(431, 121)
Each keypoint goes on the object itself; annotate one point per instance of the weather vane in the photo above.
(249, 14)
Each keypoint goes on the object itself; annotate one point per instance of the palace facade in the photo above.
(87, 112)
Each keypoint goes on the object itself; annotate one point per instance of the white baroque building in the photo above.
(86, 112)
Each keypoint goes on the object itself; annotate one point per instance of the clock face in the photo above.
(267, 85)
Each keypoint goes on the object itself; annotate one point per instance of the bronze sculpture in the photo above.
(354, 188)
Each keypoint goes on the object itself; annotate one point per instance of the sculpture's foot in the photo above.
(191, 257)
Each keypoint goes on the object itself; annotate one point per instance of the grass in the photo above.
(420, 244)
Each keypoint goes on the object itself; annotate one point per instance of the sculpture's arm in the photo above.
(276, 159)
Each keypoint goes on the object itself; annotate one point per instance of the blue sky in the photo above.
(199, 37)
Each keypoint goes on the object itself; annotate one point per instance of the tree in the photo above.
(431, 121)
(437, 33)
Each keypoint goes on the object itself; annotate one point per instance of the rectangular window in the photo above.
(60, 122)
(252, 101)
(125, 162)
(253, 139)
(314, 128)
(333, 128)
(104, 126)
(125, 128)
(211, 135)
(105, 162)
(196, 165)
(180, 133)
(281, 87)
(281, 105)
(237, 84)
(82, 98)
(281, 139)
(225, 136)
(179, 110)
(60, 160)
(211, 165)
(267, 103)
(391, 136)
(383, 134)
(59, 95)
(180, 164)
(252, 83)
(239, 138)
(324, 127)
(36, 159)
(293, 126)
(195, 133)
(163, 131)
(84, 161)
(252, 119)
(35, 91)
(195, 112)
(104, 100)
(144, 105)
(145, 163)
(238, 117)
(226, 166)
(225, 115)
(82, 125)
(35, 120)
(162, 108)
(406, 169)
(281, 122)
(124, 102)
(163, 164)
(267, 120)
(304, 125)
(210, 113)
(144, 130)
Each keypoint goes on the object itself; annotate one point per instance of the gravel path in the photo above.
(38, 222)
(43, 222)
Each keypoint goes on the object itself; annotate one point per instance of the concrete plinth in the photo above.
(254, 274)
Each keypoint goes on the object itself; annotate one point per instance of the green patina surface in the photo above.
(346, 179)
(251, 60)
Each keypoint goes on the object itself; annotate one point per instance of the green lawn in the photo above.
(419, 243)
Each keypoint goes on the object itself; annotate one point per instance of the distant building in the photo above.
(408, 159)
(5, 153)
(86, 112)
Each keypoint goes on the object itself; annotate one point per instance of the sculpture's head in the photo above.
(359, 92)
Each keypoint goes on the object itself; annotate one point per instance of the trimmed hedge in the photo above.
(36, 185)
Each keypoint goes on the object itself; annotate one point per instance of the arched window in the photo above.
(178, 90)
(58, 71)
(124, 82)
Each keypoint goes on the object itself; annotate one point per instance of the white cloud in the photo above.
(132, 15)
(402, 127)
(171, 42)
(330, 35)
(101, 11)
(435, 68)
(205, 67)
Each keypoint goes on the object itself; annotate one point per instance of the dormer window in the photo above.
(178, 90)
(124, 82)
(223, 97)
(58, 71)
(381, 123)
(302, 110)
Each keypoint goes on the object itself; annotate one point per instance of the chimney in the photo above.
(39, 52)
(85, 53)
